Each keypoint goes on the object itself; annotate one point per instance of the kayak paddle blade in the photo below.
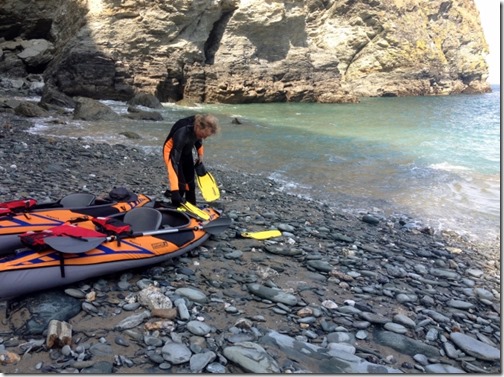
(217, 226)
(72, 245)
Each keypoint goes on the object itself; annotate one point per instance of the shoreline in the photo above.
(489, 248)
(489, 245)
(486, 238)
(351, 277)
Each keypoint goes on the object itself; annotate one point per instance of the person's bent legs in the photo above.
(190, 185)
(191, 193)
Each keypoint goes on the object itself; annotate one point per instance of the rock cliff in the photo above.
(239, 51)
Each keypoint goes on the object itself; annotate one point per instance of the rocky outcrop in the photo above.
(88, 109)
(240, 51)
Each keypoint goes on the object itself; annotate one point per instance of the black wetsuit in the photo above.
(178, 157)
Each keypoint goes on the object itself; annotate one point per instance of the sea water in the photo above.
(436, 159)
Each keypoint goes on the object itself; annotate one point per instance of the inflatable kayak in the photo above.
(20, 216)
(140, 237)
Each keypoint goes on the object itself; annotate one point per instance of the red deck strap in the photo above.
(7, 208)
(5, 211)
(111, 226)
(36, 239)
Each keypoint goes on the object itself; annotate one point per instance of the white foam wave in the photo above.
(38, 128)
(289, 186)
(448, 167)
(174, 106)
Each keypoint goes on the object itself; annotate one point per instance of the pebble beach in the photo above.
(336, 293)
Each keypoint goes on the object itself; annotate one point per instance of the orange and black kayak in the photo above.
(20, 216)
(156, 235)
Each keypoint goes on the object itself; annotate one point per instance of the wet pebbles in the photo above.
(336, 293)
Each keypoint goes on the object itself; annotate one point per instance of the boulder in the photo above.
(90, 109)
(52, 96)
(31, 110)
(37, 53)
(145, 99)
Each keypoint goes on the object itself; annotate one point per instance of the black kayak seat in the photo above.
(143, 219)
(79, 199)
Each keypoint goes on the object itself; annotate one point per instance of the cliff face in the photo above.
(236, 51)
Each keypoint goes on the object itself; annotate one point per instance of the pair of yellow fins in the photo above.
(210, 192)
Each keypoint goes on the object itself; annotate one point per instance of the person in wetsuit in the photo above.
(186, 134)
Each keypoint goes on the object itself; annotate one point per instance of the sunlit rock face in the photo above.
(241, 51)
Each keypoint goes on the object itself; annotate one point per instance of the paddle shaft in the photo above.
(213, 227)
(74, 245)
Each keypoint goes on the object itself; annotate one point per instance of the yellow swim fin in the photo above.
(262, 235)
(194, 210)
(206, 183)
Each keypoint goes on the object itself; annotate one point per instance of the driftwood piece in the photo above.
(59, 334)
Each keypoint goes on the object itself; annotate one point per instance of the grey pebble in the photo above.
(443, 369)
(395, 327)
(216, 368)
(131, 307)
(252, 358)
(475, 347)
(199, 328)
(183, 312)
(121, 341)
(199, 362)
(176, 353)
(193, 294)
(404, 320)
(272, 294)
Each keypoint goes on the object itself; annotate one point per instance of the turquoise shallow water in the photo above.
(436, 159)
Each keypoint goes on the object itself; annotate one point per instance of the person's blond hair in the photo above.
(207, 122)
